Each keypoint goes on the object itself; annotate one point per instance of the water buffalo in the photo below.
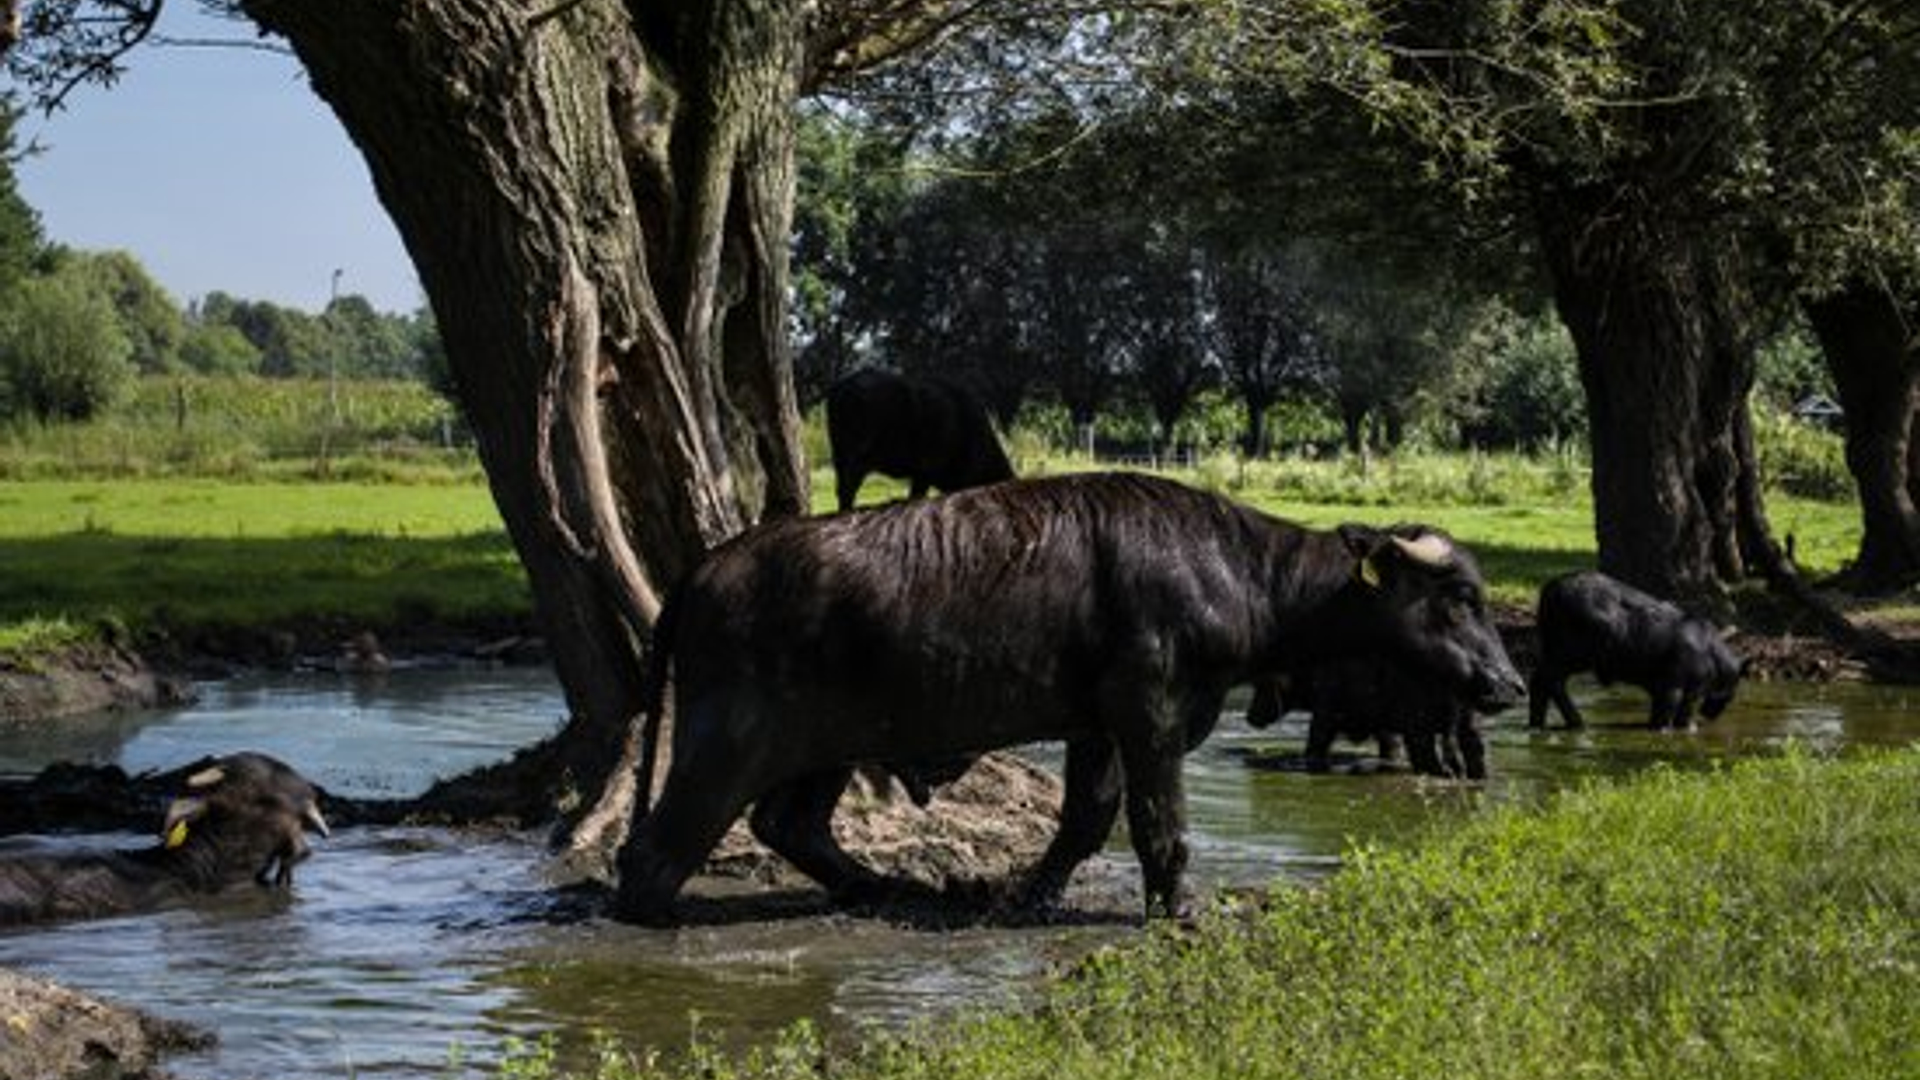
(1358, 699)
(243, 816)
(1591, 622)
(930, 432)
(1112, 611)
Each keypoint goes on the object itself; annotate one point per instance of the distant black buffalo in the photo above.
(930, 432)
(1360, 699)
(1112, 611)
(243, 817)
(1591, 622)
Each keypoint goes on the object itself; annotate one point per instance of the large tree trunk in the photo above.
(598, 209)
(1660, 325)
(1869, 348)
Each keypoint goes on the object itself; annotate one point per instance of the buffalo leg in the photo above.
(709, 783)
(1670, 709)
(796, 821)
(1473, 749)
(1549, 685)
(1660, 708)
(1087, 811)
(1320, 733)
(847, 481)
(1393, 748)
(1156, 820)
(1423, 751)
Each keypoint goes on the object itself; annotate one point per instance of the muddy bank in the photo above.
(87, 678)
(113, 675)
(53, 1033)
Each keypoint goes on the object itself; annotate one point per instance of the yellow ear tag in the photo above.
(1369, 573)
(176, 835)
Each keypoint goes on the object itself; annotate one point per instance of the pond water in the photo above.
(401, 951)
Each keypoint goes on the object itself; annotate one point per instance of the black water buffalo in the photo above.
(1591, 622)
(1113, 611)
(930, 432)
(243, 816)
(1360, 699)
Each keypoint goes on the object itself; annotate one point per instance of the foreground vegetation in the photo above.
(1759, 922)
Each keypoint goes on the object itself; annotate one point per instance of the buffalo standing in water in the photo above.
(1591, 622)
(1361, 698)
(930, 432)
(1112, 611)
(243, 817)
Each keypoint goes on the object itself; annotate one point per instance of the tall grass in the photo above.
(246, 428)
(1756, 923)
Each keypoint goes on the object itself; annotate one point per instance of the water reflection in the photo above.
(400, 945)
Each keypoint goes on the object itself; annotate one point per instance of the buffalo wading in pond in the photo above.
(1361, 698)
(1112, 611)
(1591, 622)
(243, 817)
(930, 432)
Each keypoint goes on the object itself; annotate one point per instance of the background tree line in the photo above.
(77, 326)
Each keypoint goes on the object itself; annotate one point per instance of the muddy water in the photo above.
(401, 950)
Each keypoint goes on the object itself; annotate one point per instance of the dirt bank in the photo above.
(85, 678)
(53, 1033)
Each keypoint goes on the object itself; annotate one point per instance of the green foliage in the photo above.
(1800, 458)
(1790, 367)
(248, 428)
(1754, 923)
(218, 349)
(146, 314)
(63, 355)
(1525, 390)
(20, 237)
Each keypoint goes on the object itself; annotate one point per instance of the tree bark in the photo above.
(1869, 348)
(598, 205)
(1661, 328)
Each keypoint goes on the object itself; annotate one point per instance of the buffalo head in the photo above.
(1418, 598)
(244, 813)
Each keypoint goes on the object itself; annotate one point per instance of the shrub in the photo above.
(63, 354)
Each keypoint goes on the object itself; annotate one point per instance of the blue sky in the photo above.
(220, 170)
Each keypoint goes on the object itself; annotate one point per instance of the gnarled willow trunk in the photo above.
(598, 208)
(1659, 321)
(1870, 350)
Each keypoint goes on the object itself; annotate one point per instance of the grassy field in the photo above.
(175, 555)
(1758, 923)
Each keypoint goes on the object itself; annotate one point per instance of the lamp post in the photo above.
(333, 351)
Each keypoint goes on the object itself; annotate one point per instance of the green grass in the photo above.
(162, 554)
(1758, 922)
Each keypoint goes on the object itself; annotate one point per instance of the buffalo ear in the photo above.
(1361, 540)
(180, 814)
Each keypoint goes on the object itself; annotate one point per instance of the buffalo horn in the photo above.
(1429, 549)
(207, 777)
(311, 815)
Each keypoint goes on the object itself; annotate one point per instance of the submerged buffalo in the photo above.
(1112, 611)
(245, 816)
(930, 432)
(1591, 622)
(1360, 699)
